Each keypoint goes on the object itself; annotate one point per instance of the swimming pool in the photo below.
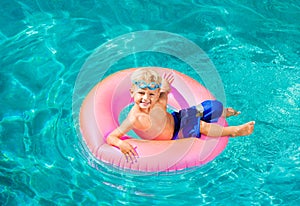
(255, 48)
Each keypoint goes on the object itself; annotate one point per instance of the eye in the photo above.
(141, 93)
(152, 94)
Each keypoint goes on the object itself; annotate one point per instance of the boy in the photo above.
(151, 121)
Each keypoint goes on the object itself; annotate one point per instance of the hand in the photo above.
(129, 151)
(169, 77)
(166, 82)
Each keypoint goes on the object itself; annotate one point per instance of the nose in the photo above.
(146, 96)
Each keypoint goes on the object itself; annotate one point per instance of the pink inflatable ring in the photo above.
(100, 112)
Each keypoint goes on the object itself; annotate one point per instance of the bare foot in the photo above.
(231, 112)
(244, 129)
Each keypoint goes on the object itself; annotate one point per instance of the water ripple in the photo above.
(255, 47)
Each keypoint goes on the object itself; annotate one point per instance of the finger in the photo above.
(164, 75)
(127, 157)
(167, 75)
(132, 158)
(171, 76)
(131, 155)
(134, 152)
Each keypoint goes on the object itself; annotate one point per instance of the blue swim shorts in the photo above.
(187, 121)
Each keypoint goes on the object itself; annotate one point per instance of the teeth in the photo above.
(145, 104)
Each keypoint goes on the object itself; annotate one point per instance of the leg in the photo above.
(228, 112)
(215, 130)
(212, 110)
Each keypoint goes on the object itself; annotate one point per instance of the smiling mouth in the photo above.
(144, 104)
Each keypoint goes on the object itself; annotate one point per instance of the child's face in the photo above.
(145, 98)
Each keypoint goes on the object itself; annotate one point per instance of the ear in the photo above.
(131, 92)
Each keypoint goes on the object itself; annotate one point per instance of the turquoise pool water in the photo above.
(255, 48)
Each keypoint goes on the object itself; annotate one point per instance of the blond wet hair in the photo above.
(147, 75)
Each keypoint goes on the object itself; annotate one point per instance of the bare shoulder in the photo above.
(138, 119)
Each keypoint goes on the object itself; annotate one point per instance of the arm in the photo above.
(166, 82)
(114, 139)
(166, 85)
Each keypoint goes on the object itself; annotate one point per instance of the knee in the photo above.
(215, 104)
(204, 127)
(217, 107)
(212, 108)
